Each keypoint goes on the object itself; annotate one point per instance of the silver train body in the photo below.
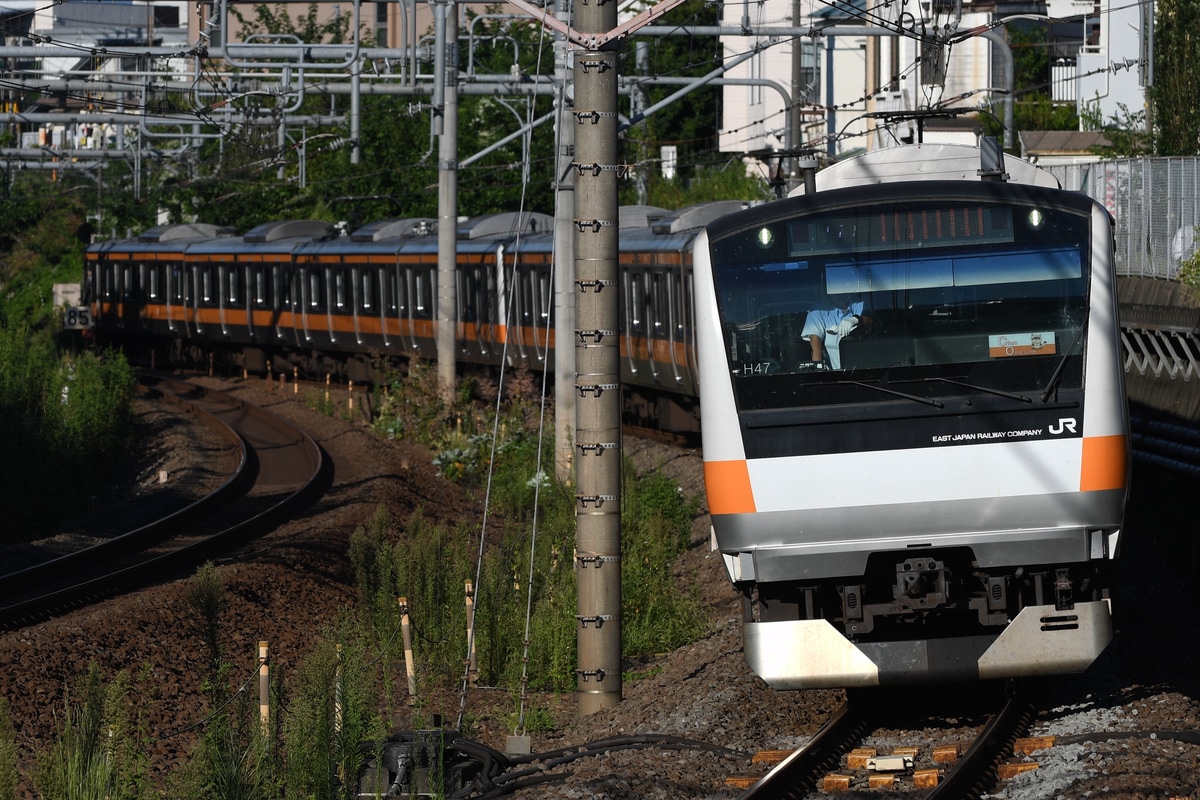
(934, 490)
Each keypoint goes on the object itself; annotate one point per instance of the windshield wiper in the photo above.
(913, 397)
(1023, 398)
(1058, 370)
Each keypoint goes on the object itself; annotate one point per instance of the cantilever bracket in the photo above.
(595, 41)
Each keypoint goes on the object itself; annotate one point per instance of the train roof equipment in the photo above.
(936, 162)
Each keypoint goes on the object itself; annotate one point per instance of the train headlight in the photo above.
(765, 237)
(1035, 220)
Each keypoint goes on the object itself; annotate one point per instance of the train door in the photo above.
(226, 296)
(393, 289)
(339, 295)
(475, 332)
(201, 294)
(311, 298)
(126, 296)
(666, 329)
(372, 279)
(422, 308)
(687, 321)
(542, 297)
(155, 295)
(176, 308)
(283, 311)
(103, 289)
(260, 304)
(520, 316)
(361, 298)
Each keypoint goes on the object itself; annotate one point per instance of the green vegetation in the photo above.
(343, 691)
(67, 414)
(428, 564)
(66, 411)
(1176, 78)
(99, 754)
(9, 754)
(1189, 268)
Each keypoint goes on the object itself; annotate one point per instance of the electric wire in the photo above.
(510, 305)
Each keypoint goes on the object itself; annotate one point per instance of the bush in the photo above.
(69, 416)
(329, 714)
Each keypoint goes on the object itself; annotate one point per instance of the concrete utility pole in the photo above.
(597, 368)
(564, 267)
(597, 344)
(445, 103)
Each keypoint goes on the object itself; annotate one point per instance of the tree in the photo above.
(1033, 108)
(691, 123)
(1176, 78)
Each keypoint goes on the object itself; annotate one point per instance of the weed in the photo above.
(9, 754)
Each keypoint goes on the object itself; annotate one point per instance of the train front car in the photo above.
(914, 426)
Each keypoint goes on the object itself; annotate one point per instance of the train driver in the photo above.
(825, 330)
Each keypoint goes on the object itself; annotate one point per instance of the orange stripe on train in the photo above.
(728, 487)
(1105, 463)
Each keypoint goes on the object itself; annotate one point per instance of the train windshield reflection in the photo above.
(907, 287)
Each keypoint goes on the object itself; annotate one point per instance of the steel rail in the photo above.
(975, 772)
(155, 567)
(797, 775)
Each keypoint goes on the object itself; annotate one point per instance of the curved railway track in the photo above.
(808, 769)
(279, 469)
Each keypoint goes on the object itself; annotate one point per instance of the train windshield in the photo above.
(920, 296)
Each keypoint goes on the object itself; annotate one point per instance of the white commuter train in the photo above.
(915, 434)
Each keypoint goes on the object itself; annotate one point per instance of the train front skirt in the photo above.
(1041, 640)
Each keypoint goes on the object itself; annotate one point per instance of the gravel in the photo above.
(284, 586)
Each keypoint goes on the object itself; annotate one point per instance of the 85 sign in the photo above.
(77, 318)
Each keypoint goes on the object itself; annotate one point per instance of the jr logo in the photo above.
(1064, 424)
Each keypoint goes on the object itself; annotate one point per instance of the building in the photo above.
(853, 83)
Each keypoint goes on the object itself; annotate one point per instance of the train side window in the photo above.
(658, 306)
(262, 290)
(634, 295)
(207, 289)
(395, 290)
(367, 281)
(285, 287)
(127, 290)
(315, 290)
(150, 281)
(339, 288)
(525, 298)
(233, 285)
(545, 298)
(423, 299)
(176, 289)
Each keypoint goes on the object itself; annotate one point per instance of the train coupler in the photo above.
(1064, 595)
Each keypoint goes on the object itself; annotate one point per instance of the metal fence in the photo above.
(1154, 202)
